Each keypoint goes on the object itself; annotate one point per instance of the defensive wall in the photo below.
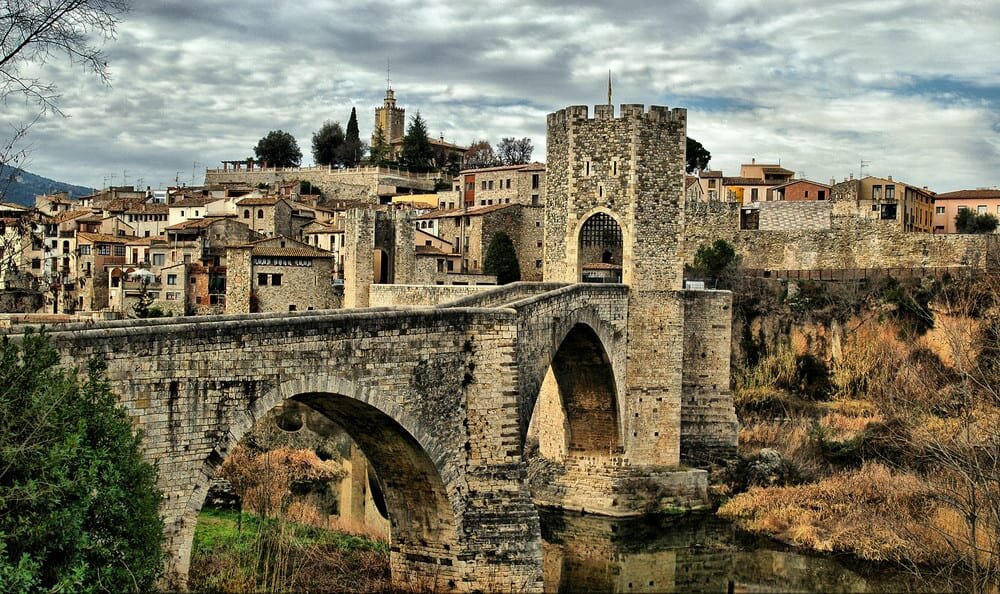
(848, 241)
(363, 184)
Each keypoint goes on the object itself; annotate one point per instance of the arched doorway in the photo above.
(600, 250)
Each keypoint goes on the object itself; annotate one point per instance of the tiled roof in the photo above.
(191, 201)
(519, 167)
(258, 201)
(290, 252)
(983, 194)
(792, 182)
(69, 215)
(710, 174)
(458, 212)
(145, 240)
(429, 250)
(198, 223)
(101, 238)
(746, 181)
(148, 208)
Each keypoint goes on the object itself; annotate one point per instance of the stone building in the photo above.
(469, 232)
(509, 184)
(278, 274)
(98, 255)
(948, 204)
(390, 121)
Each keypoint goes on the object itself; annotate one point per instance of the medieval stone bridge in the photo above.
(438, 398)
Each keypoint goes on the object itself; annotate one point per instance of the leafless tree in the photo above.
(34, 31)
(512, 151)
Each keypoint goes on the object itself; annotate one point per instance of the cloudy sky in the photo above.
(912, 87)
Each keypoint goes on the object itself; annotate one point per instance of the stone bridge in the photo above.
(438, 398)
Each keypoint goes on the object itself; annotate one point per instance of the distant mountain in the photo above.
(24, 186)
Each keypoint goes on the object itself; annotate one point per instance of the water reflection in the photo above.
(699, 553)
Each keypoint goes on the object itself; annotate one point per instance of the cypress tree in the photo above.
(501, 259)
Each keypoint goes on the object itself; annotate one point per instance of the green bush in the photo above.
(78, 506)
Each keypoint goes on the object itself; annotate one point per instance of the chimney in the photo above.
(850, 176)
(753, 160)
(889, 178)
(833, 181)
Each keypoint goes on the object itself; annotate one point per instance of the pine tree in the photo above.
(352, 150)
(379, 154)
(417, 150)
(501, 259)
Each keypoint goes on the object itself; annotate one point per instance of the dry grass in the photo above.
(865, 512)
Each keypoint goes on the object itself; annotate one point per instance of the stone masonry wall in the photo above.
(429, 395)
(794, 216)
(417, 295)
(359, 258)
(850, 242)
(709, 427)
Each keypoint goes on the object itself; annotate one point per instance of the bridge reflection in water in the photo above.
(694, 553)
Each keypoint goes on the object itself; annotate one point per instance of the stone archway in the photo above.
(576, 411)
(423, 524)
(600, 249)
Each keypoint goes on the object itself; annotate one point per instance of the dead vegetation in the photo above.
(897, 457)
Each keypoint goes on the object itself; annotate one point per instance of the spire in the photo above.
(609, 88)
(388, 84)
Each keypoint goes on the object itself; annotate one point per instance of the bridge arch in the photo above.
(573, 394)
(408, 461)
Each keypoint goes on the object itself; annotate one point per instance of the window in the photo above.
(260, 213)
(159, 259)
(36, 263)
(534, 199)
(877, 192)
(171, 279)
(981, 209)
(484, 184)
(711, 183)
(614, 168)
(535, 180)
(538, 244)
(84, 250)
(292, 307)
(182, 213)
(103, 249)
(261, 280)
(890, 192)
(490, 184)
(963, 207)
(276, 280)
(938, 210)
(753, 194)
(65, 247)
(822, 195)
(807, 193)
(586, 168)
(119, 250)
(246, 213)
(171, 296)
(451, 265)
(538, 263)
(196, 213)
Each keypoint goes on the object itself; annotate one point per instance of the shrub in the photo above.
(78, 506)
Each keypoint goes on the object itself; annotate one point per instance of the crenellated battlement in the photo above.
(626, 111)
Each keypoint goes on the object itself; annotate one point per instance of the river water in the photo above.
(695, 553)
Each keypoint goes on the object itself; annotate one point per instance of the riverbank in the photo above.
(870, 424)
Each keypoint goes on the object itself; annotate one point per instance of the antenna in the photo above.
(388, 84)
(861, 168)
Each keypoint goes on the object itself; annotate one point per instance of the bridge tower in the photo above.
(615, 213)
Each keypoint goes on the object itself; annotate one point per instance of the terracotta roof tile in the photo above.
(983, 194)
(101, 238)
(290, 252)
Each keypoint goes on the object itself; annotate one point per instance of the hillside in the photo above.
(24, 186)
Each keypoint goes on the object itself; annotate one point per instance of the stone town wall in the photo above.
(362, 184)
(449, 457)
(238, 287)
(850, 242)
(794, 216)
(359, 256)
(709, 427)
(417, 295)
